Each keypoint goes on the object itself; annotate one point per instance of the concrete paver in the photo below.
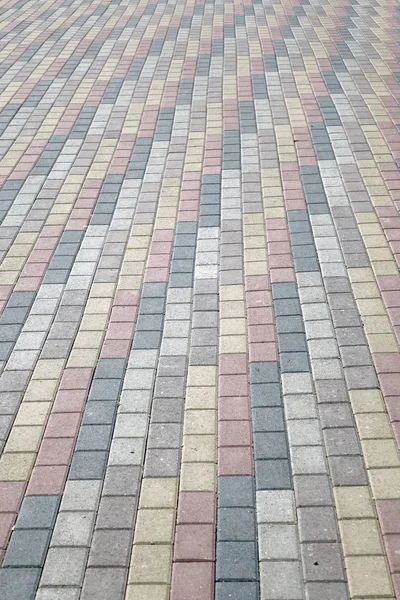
(199, 300)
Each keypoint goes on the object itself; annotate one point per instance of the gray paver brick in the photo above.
(358, 378)
(268, 419)
(64, 567)
(110, 548)
(264, 372)
(280, 579)
(333, 590)
(278, 542)
(99, 413)
(19, 583)
(162, 463)
(323, 562)
(108, 584)
(236, 561)
(294, 362)
(348, 470)
(343, 441)
(48, 593)
(226, 590)
(73, 529)
(273, 474)
(265, 394)
(38, 512)
(27, 548)
(236, 491)
(312, 490)
(270, 445)
(116, 512)
(317, 524)
(88, 465)
(110, 368)
(236, 524)
(164, 435)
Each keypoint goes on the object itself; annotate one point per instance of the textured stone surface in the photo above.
(199, 300)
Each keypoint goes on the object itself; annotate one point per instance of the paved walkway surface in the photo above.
(200, 326)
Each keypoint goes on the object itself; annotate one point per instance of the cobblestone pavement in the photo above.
(200, 296)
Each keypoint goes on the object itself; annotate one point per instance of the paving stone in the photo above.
(237, 491)
(317, 524)
(103, 582)
(162, 463)
(348, 470)
(99, 413)
(115, 512)
(331, 391)
(268, 419)
(88, 465)
(64, 567)
(226, 590)
(278, 542)
(294, 362)
(270, 445)
(121, 481)
(292, 342)
(280, 580)
(236, 524)
(360, 378)
(94, 437)
(273, 474)
(80, 495)
(27, 548)
(312, 490)
(336, 415)
(341, 441)
(37, 512)
(62, 593)
(335, 590)
(264, 373)
(73, 529)
(19, 583)
(323, 562)
(187, 215)
(236, 561)
(110, 548)
(265, 394)
(110, 368)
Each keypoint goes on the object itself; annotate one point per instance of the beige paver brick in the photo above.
(200, 422)
(366, 401)
(360, 536)
(202, 376)
(24, 439)
(380, 453)
(201, 397)
(198, 477)
(40, 390)
(154, 525)
(199, 448)
(147, 592)
(232, 344)
(16, 466)
(373, 426)
(151, 564)
(385, 483)
(368, 575)
(353, 502)
(158, 492)
(32, 413)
